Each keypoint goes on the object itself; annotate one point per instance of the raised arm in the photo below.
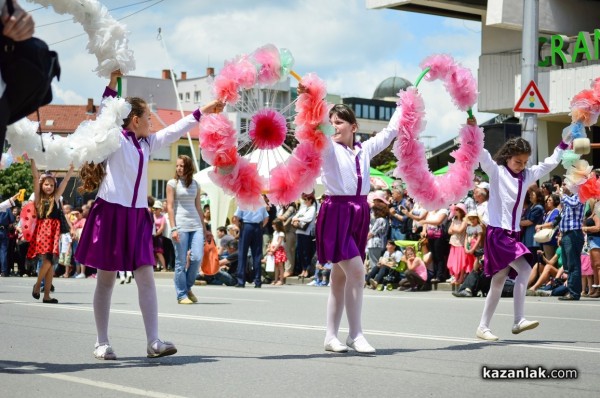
(63, 184)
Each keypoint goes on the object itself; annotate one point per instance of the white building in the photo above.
(563, 32)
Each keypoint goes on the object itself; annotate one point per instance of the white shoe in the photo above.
(104, 351)
(160, 348)
(524, 325)
(486, 335)
(335, 345)
(360, 345)
(312, 283)
(80, 276)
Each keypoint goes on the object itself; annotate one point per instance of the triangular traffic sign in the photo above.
(531, 101)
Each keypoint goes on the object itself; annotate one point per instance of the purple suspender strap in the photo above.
(358, 171)
(138, 179)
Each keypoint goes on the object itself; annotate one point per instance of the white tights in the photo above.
(105, 282)
(347, 283)
(491, 302)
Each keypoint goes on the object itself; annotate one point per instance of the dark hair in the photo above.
(538, 194)
(555, 199)
(188, 170)
(138, 107)
(151, 201)
(380, 210)
(392, 242)
(513, 147)
(233, 244)
(548, 186)
(344, 112)
(557, 179)
(222, 229)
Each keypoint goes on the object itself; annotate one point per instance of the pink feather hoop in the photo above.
(435, 192)
(218, 137)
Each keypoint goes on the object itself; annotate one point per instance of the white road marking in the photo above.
(92, 383)
(543, 346)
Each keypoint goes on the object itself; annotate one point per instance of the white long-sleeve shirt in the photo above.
(126, 180)
(508, 190)
(345, 172)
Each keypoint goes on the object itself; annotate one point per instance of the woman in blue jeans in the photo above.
(187, 228)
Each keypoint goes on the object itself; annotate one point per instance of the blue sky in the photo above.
(349, 46)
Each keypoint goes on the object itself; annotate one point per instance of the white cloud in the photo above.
(350, 47)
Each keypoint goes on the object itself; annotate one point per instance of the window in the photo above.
(187, 97)
(365, 111)
(357, 111)
(159, 189)
(180, 96)
(197, 96)
(372, 112)
(184, 150)
(163, 153)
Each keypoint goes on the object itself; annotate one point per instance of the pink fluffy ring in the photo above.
(253, 161)
(436, 192)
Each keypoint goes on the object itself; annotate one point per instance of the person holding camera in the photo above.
(18, 27)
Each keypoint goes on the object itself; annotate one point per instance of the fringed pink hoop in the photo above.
(218, 137)
(435, 192)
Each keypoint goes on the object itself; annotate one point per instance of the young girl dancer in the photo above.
(44, 243)
(118, 233)
(343, 222)
(188, 229)
(504, 252)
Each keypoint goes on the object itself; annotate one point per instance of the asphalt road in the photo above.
(269, 343)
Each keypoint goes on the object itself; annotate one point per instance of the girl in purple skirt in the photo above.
(118, 233)
(504, 252)
(343, 222)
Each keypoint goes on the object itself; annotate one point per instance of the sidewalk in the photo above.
(294, 280)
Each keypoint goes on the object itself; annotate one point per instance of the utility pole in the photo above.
(529, 70)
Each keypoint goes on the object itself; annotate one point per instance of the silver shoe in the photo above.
(159, 348)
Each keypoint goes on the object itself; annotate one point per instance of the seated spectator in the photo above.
(227, 268)
(386, 264)
(545, 269)
(416, 271)
(224, 239)
(322, 273)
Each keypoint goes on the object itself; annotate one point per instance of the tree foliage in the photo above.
(17, 176)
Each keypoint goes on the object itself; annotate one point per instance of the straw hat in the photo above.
(157, 205)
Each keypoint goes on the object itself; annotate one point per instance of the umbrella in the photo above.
(380, 180)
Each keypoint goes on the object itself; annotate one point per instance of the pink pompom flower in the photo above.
(268, 129)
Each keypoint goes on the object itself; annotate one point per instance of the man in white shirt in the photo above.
(481, 194)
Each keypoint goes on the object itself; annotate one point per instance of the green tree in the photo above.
(17, 176)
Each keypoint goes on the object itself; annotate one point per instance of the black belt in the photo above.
(250, 223)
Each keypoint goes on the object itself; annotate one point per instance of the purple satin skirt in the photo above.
(342, 228)
(501, 248)
(116, 238)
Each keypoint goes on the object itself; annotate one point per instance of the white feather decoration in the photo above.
(92, 141)
(107, 37)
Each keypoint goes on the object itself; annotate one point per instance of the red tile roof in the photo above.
(66, 118)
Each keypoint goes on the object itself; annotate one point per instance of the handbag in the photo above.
(28, 68)
(210, 260)
(28, 219)
(544, 235)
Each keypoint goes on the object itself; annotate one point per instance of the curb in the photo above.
(294, 280)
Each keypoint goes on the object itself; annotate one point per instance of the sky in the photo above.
(350, 47)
